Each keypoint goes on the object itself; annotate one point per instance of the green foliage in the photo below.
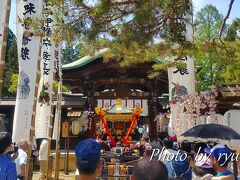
(142, 31)
(14, 83)
(208, 22)
(70, 53)
(55, 87)
(232, 70)
(123, 22)
(11, 64)
(219, 61)
(232, 30)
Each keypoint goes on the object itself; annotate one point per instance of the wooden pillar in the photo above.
(93, 106)
(152, 124)
(152, 112)
(92, 103)
(93, 127)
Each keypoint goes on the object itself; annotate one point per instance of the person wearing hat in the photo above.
(220, 156)
(201, 167)
(88, 153)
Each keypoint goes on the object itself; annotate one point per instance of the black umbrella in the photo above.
(212, 132)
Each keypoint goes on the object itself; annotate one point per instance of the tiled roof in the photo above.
(84, 60)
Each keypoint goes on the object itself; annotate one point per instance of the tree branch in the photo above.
(85, 6)
(123, 3)
(226, 17)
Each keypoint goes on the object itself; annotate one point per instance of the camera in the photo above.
(15, 148)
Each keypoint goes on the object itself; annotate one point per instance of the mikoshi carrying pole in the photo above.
(5, 7)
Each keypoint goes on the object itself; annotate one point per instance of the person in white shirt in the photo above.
(43, 158)
(21, 161)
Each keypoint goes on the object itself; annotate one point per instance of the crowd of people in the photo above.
(14, 158)
(162, 161)
(202, 161)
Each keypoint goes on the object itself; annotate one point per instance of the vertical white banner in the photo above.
(28, 53)
(45, 93)
(181, 82)
(57, 117)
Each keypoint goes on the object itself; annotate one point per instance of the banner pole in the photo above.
(4, 45)
(50, 125)
(59, 107)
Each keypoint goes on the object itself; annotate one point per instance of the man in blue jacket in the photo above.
(7, 166)
(179, 168)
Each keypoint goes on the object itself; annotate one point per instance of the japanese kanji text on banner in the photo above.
(45, 93)
(181, 83)
(28, 54)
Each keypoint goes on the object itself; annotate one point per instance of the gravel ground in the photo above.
(62, 176)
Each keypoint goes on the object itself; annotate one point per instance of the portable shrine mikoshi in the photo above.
(117, 120)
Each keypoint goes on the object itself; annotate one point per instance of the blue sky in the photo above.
(222, 6)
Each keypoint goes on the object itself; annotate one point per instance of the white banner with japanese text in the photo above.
(57, 117)
(181, 82)
(45, 93)
(28, 47)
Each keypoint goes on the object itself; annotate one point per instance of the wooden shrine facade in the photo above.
(97, 79)
(229, 96)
